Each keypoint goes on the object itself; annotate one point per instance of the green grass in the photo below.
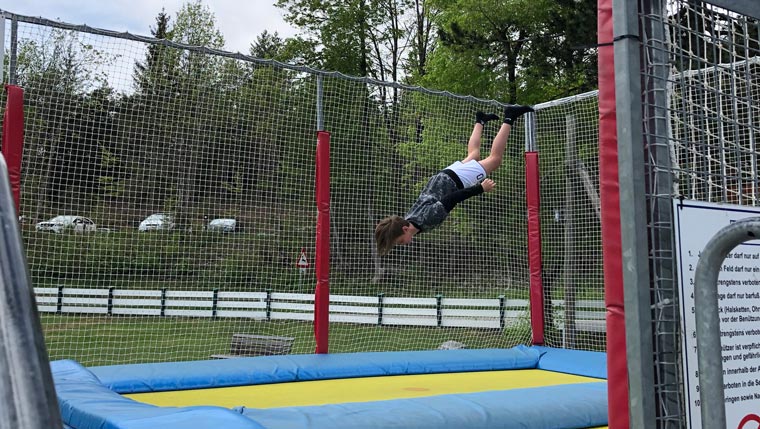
(103, 340)
(250, 262)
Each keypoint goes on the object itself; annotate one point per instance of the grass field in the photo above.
(101, 340)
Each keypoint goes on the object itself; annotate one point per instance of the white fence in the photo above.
(440, 311)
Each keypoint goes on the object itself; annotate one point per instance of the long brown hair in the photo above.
(387, 231)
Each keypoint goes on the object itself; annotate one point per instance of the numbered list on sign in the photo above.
(739, 309)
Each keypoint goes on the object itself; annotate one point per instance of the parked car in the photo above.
(157, 221)
(222, 225)
(62, 223)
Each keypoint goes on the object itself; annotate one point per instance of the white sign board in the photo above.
(739, 300)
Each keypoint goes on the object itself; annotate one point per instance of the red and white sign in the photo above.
(303, 261)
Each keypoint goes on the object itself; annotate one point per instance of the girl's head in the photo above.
(391, 231)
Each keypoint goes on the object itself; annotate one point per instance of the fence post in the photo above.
(163, 301)
(59, 301)
(109, 309)
(439, 309)
(214, 302)
(502, 310)
(269, 304)
(380, 297)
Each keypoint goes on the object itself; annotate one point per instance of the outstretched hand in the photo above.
(488, 185)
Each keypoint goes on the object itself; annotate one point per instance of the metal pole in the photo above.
(14, 47)
(320, 120)
(665, 338)
(27, 394)
(709, 355)
(530, 132)
(633, 215)
(570, 262)
(2, 48)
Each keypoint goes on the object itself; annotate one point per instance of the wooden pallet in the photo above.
(257, 345)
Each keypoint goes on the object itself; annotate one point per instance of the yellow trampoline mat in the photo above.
(363, 389)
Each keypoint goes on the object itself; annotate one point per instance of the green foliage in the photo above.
(367, 38)
(294, 50)
(148, 260)
(195, 25)
(515, 51)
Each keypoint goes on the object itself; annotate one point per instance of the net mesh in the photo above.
(119, 128)
(146, 144)
(567, 133)
(700, 107)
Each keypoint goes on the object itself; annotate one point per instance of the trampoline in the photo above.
(522, 387)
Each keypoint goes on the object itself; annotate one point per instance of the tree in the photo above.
(171, 116)
(195, 25)
(420, 32)
(293, 50)
(58, 71)
(194, 107)
(513, 50)
(155, 75)
(357, 37)
(563, 61)
(150, 114)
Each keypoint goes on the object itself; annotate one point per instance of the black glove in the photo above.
(514, 111)
(482, 118)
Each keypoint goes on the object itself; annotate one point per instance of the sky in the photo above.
(239, 21)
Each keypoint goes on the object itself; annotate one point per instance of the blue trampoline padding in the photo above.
(564, 406)
(158, 377)
(86, 404)
(578, 362)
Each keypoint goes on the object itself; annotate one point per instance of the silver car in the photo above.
(223, 225)
(62, 223)
(157, 221)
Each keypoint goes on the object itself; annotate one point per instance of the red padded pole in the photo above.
(533, 200)
(609, 184)
(13, 139)
(322, 259)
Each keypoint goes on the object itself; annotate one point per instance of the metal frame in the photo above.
(659, 170)
(12, 62)
(646, 179)
(2, 48)
(744, 7)
(26, 384)
(633, 214)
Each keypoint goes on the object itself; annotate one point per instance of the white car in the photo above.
(62, 223)
(157, 221)
(223, 225)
